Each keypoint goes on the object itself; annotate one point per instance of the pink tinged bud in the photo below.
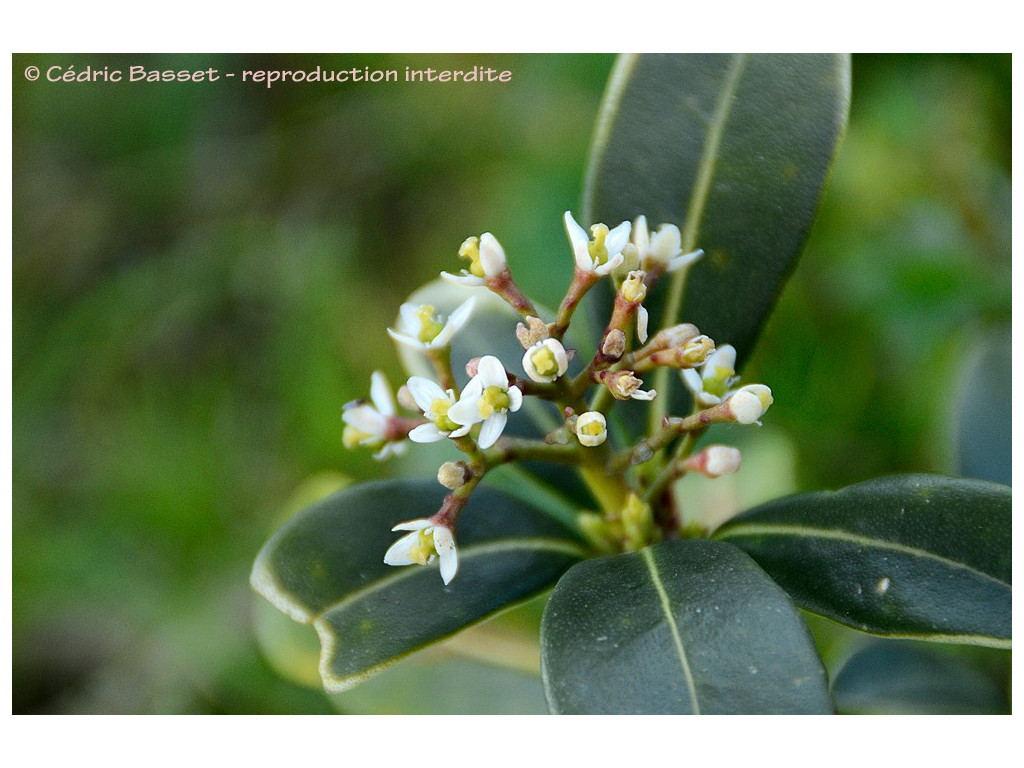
(614, 344)
(715, 461)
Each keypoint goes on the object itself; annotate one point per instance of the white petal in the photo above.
(515, 398)
(426, 433)
(444, 543)
(467, 410)
(425, 392)
(641, 323)
(641, 395)
(398, 553)
(666, 243)
(491, 373)
(408, 341)
(464, 279)
(380, 393)
(491, 429)
(609, 265)
(641, 235)
(723, 357)
(456, 320)
(366, 419)
(460, 431)
(617, 239)
(692, 380)
(408, 319)
(580, 240)
(685, 260)
(492, 255)
(413, 525)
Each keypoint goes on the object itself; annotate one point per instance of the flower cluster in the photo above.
(629, 482)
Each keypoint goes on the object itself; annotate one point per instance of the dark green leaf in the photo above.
(908, 555)
(325, 567)
(683, 627)
(735, 150)
(892, 677)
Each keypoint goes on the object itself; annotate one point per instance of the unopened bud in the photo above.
(749, 403)
(454, 474)
(473, 366)
(638, 523)
(614, 344)
(533, 331)
(715, 461)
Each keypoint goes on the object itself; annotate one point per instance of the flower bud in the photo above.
(714, 461)
(454, 474)
(749, 403)
(674, 336)
(691, 354)
(591, 429)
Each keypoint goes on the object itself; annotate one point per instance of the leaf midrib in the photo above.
(666, 607)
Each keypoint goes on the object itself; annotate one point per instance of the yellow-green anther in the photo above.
(439, 411)
(423, 549)
(593, 429)
(471, 250)
(429, 326)
(493, 400)
(718, 383)
(596, 247)
(544, 362)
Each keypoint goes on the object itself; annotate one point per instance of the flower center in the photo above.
(439, 415)
(718, 383)
(423, 549)
(429, 326)
(493, 400)
(633, 289)
(544, 362)
(594, 428)
(471, 250)
(596, 247)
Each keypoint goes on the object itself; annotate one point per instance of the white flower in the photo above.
(663, 249)
(624, 385)
(747, 404)
(426, 543)
(367, 424)
(602, 254)
(420, 329)
(486, 257)
(486, 400)
(711, 385)
(545, 361)
(435, 404)
(591, 428)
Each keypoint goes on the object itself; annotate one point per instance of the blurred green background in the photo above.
(203, 273)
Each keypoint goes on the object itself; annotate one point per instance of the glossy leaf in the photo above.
(735, 150)
(325, 567)
(683, 627)
(892, 677)
(909, 555)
